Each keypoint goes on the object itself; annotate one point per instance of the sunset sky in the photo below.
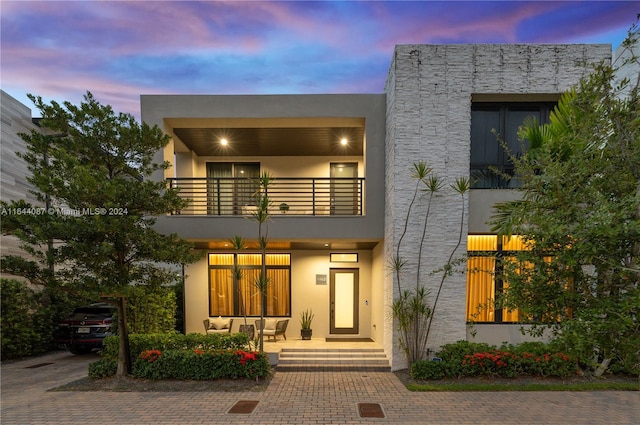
(119, 50)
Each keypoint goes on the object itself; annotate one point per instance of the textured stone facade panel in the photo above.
(429, 92)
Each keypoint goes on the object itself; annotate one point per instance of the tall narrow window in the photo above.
(236, 297)
(231, 186)
(344, 188)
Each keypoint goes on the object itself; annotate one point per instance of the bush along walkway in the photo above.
(290, 398)
(465, 359)
(199, 364)
(192, 357)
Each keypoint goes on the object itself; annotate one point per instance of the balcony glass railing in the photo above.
(293, 196)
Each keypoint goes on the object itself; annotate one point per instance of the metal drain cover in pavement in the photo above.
(370, 410)
(244, 406)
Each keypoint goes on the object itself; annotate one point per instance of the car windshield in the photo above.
(92, 311)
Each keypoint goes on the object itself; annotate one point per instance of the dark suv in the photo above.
(86, 328)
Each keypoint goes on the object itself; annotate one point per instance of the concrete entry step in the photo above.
(373, 359)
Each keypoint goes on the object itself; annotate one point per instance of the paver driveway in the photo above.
(293, 398)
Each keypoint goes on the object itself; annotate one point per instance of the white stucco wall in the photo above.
(278, 166)
(305, 293)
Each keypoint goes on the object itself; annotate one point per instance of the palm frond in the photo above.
(503, 222)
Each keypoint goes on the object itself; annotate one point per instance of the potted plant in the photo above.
(284, 207)
(306, 317)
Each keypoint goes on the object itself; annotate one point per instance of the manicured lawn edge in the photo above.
(590, 386)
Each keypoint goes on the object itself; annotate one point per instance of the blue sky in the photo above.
(119, 50)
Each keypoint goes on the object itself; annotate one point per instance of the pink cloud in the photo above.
(126, 28)
(477, 22)
(115, 48)
(238, 27)
(122, 96)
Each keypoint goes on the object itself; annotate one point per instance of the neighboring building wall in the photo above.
(429, 93)
(625, 59)
(16, 118)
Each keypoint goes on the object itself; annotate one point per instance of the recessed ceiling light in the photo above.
(344, 141)
(224, 142)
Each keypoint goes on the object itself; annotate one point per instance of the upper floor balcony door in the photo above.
(231, 186)
(344, 188)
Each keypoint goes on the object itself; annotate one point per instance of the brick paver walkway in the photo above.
(294, 398)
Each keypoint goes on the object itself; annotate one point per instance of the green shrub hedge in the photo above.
(18, 335)
(427, 370)
(200, 364)
(150, 309)
(452, 356)
(29, 318)
(103, 368)
(470, 359)
(176, 341)
(192, 356)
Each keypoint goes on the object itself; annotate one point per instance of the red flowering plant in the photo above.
(252, 364)
(246, 356)
(492, 363)
(148, 365)
(465, 358)
(150, 355)
(556, 364)
(508, 364)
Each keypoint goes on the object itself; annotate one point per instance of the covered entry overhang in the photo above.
(284, 244)
(277, 136)
(341, 281)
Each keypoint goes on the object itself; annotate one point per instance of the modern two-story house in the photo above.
(342, 166)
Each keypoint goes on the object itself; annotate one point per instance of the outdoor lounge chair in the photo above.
(217, 325)
(274, 327)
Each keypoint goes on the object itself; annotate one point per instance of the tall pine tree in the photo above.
(95, 235)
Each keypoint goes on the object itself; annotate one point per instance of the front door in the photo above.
(344, 301)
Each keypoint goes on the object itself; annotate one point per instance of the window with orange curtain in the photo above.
(230, 296)
(486, 254)
(481, 289)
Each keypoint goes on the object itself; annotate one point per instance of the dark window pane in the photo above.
(514, 120)
(485, 147)
(495, 124)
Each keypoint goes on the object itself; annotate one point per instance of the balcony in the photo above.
(289, 196)
(494, 176)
